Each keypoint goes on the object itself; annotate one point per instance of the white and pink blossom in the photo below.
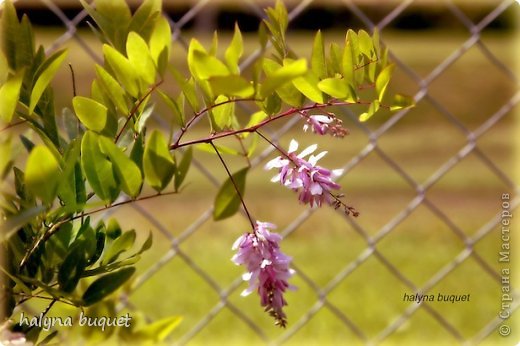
(314, 183)
(268, 269)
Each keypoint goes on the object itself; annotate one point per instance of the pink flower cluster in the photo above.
(267, 268)
(323, 124)
(313, 182)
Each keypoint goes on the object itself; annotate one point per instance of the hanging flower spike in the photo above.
(268, 269)
(323, 124)
(314, 183)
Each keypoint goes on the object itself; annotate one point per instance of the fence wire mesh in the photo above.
(464, 241)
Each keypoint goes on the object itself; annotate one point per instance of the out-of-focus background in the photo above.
(427, 181)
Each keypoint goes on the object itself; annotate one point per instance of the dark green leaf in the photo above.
(105, 285)
(72, 268)
(158, 163)
(227, 201)
(183, 168)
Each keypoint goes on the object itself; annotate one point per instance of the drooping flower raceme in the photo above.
(313, 182)
(267, 268)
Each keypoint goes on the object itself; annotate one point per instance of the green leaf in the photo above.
(147, 244)
(14, 222)
(227, 201)
(382, 81)
(67, 184)
(282, 75)
(123, 69)
(366, 45)
(145, 18)
(158, 164)
(45, 75)
(42, 173)
(72, 268)
(4, 68)
(175, 106)
(120, 245)
(105, 285)
(91, 113)
(223, 114)
(184, 166)
(127, 172)
(203, 66)
(113, 18)
(9, 94)
(338, 88)
(372, 109)
(256, 118)
(401, 102)
(98, 169)
(350, 56)
(234, 51)
(158, 331)
(208, 148)
(112, 88)
(318, 64)
(17, 38)
(308, 86)
(231, 85)
(139, 56)
(160, 44)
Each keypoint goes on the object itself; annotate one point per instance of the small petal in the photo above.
(293, 146)
(309, 150)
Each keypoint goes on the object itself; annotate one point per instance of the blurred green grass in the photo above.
(420, 245)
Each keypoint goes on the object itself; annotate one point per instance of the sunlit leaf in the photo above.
(234, 51)
(98, 169)
(282, 75)
(120, 245)
(318, 64)
(308, 86)
(401, 102)
(382, 81)
(45, 75)
(139, 56)
(123, 69)
(91, 113)
(372, 109)
(338, 88)
(231, 85)
(42, 173)
(9, 94)
(126, 171)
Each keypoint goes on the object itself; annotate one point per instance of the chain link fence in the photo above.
(348, 325)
